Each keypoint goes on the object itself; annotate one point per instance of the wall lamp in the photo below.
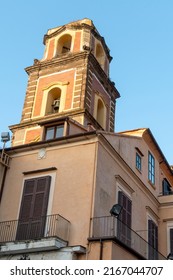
(116, 210)
(5, 137)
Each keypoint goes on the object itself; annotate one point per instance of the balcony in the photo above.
(111, 228)
(38, 234)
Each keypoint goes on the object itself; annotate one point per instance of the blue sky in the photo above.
(139, 34)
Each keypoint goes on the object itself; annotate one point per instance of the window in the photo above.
(138, 162)
(33, 210)
(54, 132)
(53, 101)
(125, 218)
(100, 55)
(166, 187)
(64, 44)
(151, 168)
(152, 240)
(100, 111)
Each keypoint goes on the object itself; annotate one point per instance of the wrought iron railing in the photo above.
(112, 228)
(37, 228)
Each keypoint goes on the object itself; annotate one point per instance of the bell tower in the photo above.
(70, 83)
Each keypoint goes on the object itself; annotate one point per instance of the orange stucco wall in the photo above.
(46, 81)
(50, 50)
(32, 135)
(77, 42)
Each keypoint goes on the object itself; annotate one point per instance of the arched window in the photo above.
(53, 101)
(100, 55)
(101, 113)
(64, 44)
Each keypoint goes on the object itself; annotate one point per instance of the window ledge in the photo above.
(140, 171)
(152, 185)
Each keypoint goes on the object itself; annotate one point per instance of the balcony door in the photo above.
(33, 208)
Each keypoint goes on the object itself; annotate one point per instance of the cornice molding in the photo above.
(53, 34)
(57, 61)
(38, 121)
(122, 181)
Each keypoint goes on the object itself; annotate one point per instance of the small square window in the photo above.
(49, 133)
(59, 131)
(166, 187)
(54, 132)
(138, 162)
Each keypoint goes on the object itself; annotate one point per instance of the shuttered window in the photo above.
(152, 240)
(125, 218)
(33, 208)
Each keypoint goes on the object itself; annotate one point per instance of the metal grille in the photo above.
(55, 226)
(111, 228)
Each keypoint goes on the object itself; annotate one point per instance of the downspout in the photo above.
(4, 164)
(3, 182)
(101, 249)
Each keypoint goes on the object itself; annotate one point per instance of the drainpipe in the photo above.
(4, 160)
(101, 249)
(4, 165)
(3, 182)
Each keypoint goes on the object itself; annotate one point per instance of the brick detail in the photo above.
(79, 88)
(86, 37)
(88, 98)
(50, 49)
(29, 97)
